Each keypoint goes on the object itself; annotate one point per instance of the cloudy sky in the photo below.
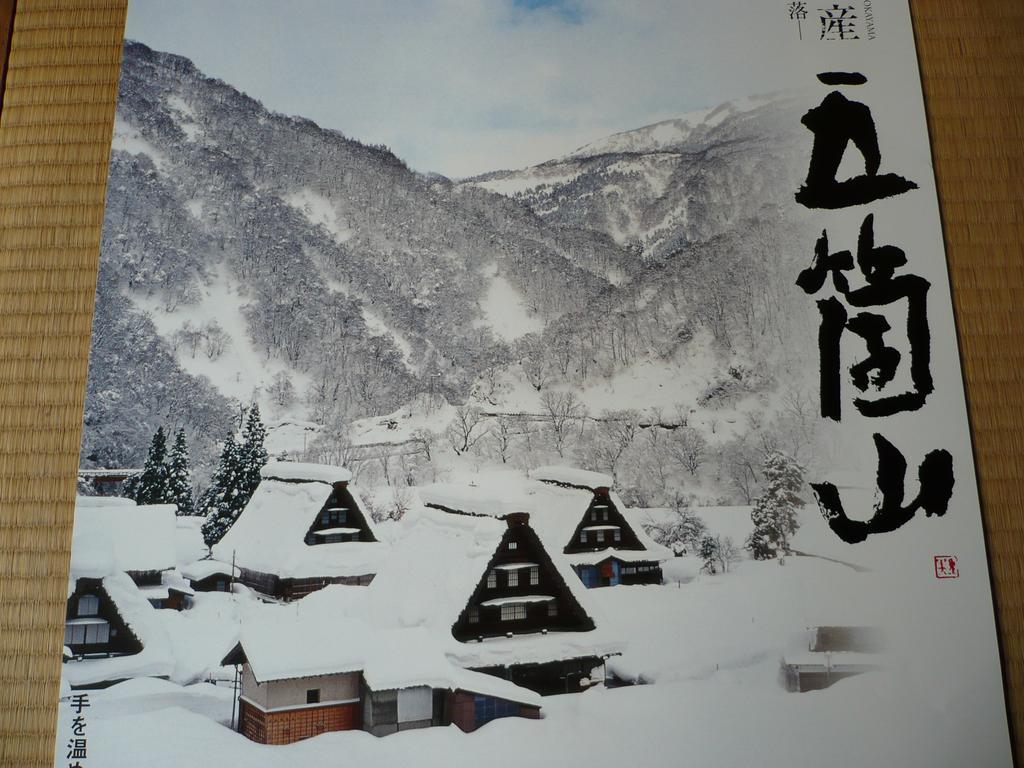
(465, 86)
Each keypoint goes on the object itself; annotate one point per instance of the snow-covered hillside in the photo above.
(253, 257)
(661, 185)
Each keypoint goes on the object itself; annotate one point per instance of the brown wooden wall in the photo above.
(295, 724)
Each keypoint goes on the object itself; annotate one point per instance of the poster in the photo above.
(547, 382)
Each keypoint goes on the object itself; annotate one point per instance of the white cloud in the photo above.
(465, 86)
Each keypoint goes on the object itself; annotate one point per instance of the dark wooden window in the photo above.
(513, 578)
(513, 612)
(513, 545)
(313, 696)
(552, 608)
(534, 576)
(492, 579)
(474, 615)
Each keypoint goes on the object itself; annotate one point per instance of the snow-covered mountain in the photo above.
(657, 187)
(251, 255)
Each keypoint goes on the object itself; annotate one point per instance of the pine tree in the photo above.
(151, 486)
(179, 480)
(708, 552)
(222, 502)
(253, 453)
(775, 511)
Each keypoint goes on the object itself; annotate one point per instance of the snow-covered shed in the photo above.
(579, 512)
(111, 629)
(470, 568)
(305, 527)
(348, 675)
(210, 575)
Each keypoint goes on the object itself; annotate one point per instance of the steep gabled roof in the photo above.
(556, 510)
(154, 660)
(269, 534)
(437, 563)
(121, 537)
(572, 477)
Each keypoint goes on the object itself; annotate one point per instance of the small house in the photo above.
(604, 546)
(173, 592)
(502, 603)
(111, 631)
(210, 575)
(305, 527)
(105, 482)
(351, 676)
(833, 653)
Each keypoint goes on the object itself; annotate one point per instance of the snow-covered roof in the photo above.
(474, 500)
(103, 501)
(555, 511)
(413, 591)
(297, 471)
(108, 539)
(154, 660)
(581, 478)
(327, 633)
(269, 535)
(202, 569)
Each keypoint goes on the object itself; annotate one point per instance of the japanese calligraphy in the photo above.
(835, 123)
(78, 744)
(838, 23)
(878, 265)
(935, 476)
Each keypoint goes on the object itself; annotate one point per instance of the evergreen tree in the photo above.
(708, 552)
(252, 452)
(222, 502)
(151, 486)
(179, 480)
(775, 511)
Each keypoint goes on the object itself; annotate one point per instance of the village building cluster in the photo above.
(474, 610)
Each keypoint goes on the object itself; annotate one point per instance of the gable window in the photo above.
(474, 615)
(513, 612)
(222, 585)
(94, 632)
(593, 514)
(583, 537)
(492, 579)
(513, 578)
(513, 545)
(600, 536)
(552, 608)
(313, 696)
(604, 514)
(333, 516)
(88, 605)
(617, 535)
(534, 576)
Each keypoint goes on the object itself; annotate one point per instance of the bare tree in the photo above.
(466, 429)
(215, 340)
(502, 436)
(427, 439)
(533, 358)
(281, 390)
(687, 447)
(561, 410)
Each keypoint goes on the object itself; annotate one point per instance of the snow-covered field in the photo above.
(709, 650)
